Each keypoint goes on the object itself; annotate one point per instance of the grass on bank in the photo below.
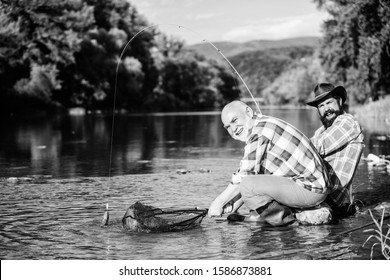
(383, 240)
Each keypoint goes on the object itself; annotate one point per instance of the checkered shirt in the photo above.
(341, 146)
(275, 147)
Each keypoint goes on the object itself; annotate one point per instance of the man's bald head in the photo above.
(237, 119)
(237, 106)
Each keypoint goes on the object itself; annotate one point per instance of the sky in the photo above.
(233, 20)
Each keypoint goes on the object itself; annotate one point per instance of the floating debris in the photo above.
(185, 171)
(77, 111)
(29, 179)
(144, 161)
(15, 180)
(12, 180)
(377, 161)
(204, 170)
(182, 171)
(381, 138)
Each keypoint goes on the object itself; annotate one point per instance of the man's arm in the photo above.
(247, 167)
(216, 207)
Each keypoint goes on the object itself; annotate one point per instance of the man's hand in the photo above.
(215, 209)
(231, 195)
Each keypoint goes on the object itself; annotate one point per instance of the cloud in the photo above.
(204, 16)
(142, 5)
(279, 28)
(154, 9)
(191, 3)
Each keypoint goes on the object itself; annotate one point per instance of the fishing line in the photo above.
(105, 218)
(204, 40)
(120, 60)
(230, 64)
(106, 215)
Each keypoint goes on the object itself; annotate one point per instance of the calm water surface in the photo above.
(54, 209)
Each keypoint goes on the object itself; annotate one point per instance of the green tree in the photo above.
(190, 81)
(93, 74)
(65, 52)
(261, 68)
(33, 46)
(356, 45)
(295, 85)
(72, 52)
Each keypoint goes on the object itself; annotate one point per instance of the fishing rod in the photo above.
(120, 60)
(230, 64)
(365, 225)
(204, 40)
(106, 214)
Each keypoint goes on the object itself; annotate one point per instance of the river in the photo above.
(55, 183)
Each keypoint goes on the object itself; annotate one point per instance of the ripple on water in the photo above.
(60, 219)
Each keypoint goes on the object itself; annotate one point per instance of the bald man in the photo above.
(280, 167)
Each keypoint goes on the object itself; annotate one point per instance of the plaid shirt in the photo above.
(275, 147)
(341, 146)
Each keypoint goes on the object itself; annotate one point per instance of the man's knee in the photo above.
(246, 186)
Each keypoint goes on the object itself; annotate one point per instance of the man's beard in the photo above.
(328, 122)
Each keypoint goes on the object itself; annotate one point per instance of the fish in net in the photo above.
(144, 218)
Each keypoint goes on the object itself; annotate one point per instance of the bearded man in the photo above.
(339, 141)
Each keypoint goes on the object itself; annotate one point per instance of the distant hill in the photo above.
(261, 63)
(230, 49)
(261, 68)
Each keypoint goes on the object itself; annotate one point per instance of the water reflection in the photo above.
(59, 218)
(68, 146)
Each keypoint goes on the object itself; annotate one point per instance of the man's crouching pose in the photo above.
(280, 167)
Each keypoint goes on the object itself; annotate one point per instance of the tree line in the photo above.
(60, 54)
(355, 50)
(280, 75)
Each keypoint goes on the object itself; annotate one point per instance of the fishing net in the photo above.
(144, 218)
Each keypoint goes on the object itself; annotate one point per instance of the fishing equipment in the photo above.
(106, 217)
(144, 218)
(204, 40)
(365, 225)
(175, 219)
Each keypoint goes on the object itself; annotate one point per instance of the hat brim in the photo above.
(339, 91)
